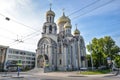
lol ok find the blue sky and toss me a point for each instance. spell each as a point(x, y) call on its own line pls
point(98, 20)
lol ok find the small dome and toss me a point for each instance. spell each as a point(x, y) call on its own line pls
point(50, 12)
point(63, 19)
point(76, 31)
point(67, 25)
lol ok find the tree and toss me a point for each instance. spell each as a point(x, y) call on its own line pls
point(117, 61)
point(88, 60)
point(102, 48)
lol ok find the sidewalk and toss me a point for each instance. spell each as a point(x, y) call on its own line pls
point(70, 74)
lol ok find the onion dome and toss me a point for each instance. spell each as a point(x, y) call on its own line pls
point(67, 25)
point(76, 31)
point(50, 12)
point(63, 19)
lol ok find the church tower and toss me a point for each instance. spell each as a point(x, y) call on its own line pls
point(49, 26)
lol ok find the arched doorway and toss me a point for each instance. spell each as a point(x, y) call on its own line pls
point(42, 61)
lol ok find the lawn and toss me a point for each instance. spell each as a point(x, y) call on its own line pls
point(94, 72)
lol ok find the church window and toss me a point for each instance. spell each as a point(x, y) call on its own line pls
point(45, 29)
point(60, 62)
point(50, 29)
point(50, 19)
point(44, 48)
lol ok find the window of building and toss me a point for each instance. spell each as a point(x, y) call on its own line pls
point(50, 29)
point(45, 29)
point(10, 51)
point(16, 52)
point(50, 19)
point(60, 62)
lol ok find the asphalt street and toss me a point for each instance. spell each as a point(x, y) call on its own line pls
point(56, 76)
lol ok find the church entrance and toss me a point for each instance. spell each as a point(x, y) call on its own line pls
point(42, 61)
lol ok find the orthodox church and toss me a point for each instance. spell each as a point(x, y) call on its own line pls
point(60, 50)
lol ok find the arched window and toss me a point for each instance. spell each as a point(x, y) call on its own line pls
point(44, 48)
point(60, 62)
point(50, 19)
point(50, 29)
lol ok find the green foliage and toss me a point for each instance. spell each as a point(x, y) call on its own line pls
point(89, 60)
point(117, 61)
point(102, 48)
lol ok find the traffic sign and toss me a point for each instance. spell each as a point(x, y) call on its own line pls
point(108, 58)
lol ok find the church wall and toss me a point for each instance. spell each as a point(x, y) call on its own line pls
point(61, 27)
point(74, 56)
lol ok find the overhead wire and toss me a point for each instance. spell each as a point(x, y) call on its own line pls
point(93, 9)
point(83, 8)
point(9, 19)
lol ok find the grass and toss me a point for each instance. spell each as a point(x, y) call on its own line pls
point(94, 72)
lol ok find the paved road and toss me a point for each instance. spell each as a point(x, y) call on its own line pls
point(57, 76)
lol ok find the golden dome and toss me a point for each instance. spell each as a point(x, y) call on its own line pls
point(76, 31)
point(67, 25)
point(50, 12)
point(63, 19)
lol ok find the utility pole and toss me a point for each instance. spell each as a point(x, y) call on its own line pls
point(91, 56)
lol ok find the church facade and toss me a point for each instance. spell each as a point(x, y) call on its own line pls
point(60, 50)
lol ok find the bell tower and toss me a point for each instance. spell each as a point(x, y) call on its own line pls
point(49, 26)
